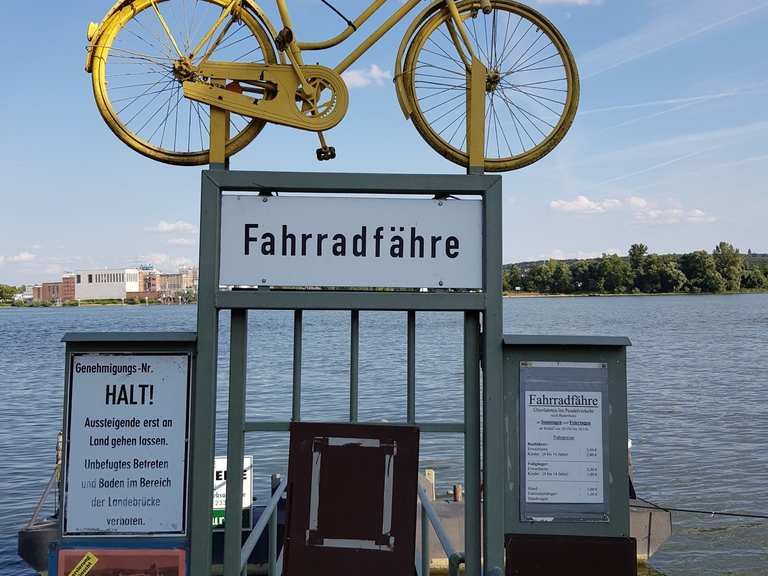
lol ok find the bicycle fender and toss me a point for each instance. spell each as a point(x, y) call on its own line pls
point(405, 105)
point(95, 31)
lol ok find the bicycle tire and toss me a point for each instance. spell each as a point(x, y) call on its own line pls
point(132, 47)
point(554, 99)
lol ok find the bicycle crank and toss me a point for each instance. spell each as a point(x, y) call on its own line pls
point(273, 92)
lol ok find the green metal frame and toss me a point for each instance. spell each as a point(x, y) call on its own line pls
point(488, 342)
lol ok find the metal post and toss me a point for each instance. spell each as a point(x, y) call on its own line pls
point(272, 558)
point(425, 553)
point(233, 515)
point(354, 357)
point(472, 499)
point(218, 138)
point(203, 428)
point(476, 117)
point(493, 388)
point(411, 371)
point(298, 328)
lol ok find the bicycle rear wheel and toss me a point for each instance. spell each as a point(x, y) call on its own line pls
point(138, 73)
point(532, 85)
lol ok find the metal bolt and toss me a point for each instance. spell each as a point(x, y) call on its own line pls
point(265, 199)
point(440, 283)
point(440, 203)
point(263, 280)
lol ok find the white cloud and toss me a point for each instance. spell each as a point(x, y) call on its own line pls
point(642, 210)
point(161, 260)
point(182, 242)
point(560, 254)
point(18, 258)
point(583, 205)
point(360, 78)
point(178, 227)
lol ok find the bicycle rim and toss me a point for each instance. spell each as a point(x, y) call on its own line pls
point(532, 89)
point(139, 94)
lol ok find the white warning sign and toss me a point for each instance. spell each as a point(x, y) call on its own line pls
point(127, 458)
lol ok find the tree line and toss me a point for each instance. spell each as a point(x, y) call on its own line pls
point(724, 270)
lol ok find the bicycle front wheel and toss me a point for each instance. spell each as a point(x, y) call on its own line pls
point(144, 55)
point(531, 89)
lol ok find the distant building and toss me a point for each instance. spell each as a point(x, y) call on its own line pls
point(148, 280)
point(106, 284)
point(37, 293)
point(50, 292)
point(183, 282)
point(68, 287)
point(28, 295)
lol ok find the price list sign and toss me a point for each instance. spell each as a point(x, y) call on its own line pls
point(563, 445)
point(127, 444)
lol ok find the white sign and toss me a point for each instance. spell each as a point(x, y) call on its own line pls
point(127, 460)
point(350, 242)
point(563, 447)
point(220, 482)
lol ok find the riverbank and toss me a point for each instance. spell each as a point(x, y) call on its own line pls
point(521, 294)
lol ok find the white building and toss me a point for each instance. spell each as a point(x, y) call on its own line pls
point(106, 284)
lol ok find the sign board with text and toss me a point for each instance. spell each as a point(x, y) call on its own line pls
point(562, 442)
point(351, 242)
point(220, 491)
point(127, 444)
point(565, 401)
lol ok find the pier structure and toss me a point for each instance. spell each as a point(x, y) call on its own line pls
point(481, 307)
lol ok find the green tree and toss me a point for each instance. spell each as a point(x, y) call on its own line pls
point(616, 273)
point(637, 256)
point(538, 278)
point(670, 277)
point(562, 279)
point(753, 278)
point(7, 292)
point(585, 276)
point(729, 264)
point(513, 278)
point(701, 272)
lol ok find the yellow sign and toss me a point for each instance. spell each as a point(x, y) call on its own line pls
point(84, 566)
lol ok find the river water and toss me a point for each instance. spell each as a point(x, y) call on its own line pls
point(698, 376)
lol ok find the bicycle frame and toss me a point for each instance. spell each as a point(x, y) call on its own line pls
point(390, 23)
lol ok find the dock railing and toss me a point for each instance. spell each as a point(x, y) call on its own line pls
point(268, 518)
point(429, 516)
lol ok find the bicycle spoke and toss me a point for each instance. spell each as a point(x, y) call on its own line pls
point(534, 95)
point(518, 64)
point(462, 74)
point(528, 115)
point(520, 124)
point(443, 103)
point(167, 82)
point(525, 52)
point(457, 119)
point(446, 55)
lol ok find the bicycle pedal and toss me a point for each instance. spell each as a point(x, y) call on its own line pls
point(327, 153)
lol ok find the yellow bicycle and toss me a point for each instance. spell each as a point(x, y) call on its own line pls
point(159, 66)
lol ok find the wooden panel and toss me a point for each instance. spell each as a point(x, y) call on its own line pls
point(544, 555)
point(351, 499)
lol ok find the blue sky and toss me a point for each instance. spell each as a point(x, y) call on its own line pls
point(668, 148)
